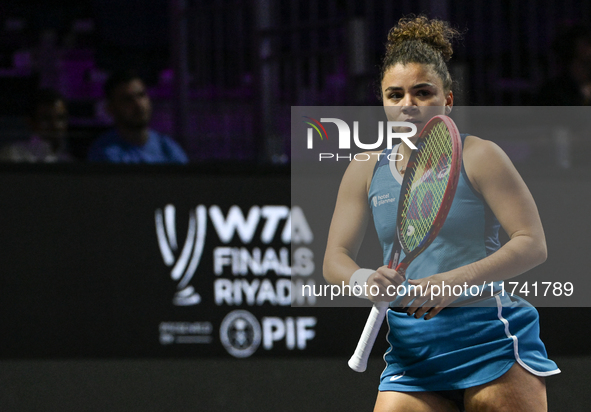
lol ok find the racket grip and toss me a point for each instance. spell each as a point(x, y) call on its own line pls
point(358, 361)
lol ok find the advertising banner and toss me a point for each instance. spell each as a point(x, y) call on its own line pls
point(145, 263)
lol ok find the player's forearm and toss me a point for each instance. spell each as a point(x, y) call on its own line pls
point(517, 256)
point(338, 267)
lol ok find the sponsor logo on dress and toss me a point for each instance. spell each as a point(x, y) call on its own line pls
point(382, 199)
point(396, 377)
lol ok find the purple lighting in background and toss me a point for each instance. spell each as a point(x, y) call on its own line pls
point(245, 64)
point(76, 79)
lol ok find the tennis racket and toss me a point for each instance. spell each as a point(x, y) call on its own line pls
point(426, 195)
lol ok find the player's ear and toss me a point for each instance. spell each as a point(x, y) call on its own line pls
point(449, 102)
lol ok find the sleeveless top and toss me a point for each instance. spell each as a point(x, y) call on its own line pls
point(470, 232)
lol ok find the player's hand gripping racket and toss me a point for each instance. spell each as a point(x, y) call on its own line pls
point(426, 195)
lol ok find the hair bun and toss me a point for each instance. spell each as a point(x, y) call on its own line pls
point(435, 33)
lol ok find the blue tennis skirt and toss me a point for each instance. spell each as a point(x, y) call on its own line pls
point(463, 347)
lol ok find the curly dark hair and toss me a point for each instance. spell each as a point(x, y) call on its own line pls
point(418, 39)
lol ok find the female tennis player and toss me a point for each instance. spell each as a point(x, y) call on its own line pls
point(487, 357)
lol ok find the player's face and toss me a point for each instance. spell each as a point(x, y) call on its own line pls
point(414, 93)
point(130, 105)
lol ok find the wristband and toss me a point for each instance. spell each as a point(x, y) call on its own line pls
point(359, 280)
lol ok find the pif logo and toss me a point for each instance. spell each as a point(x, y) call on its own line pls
point(345, 133)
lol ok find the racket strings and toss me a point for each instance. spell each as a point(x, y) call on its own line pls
point(428, 182)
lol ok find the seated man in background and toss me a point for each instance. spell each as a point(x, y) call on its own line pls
point(132, 141)
point(48, 120)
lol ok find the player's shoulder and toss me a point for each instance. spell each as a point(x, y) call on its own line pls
point(484, 160)
point(477, 149)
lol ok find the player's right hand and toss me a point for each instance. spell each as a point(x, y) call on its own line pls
point(386, 280)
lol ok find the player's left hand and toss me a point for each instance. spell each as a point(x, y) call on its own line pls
point(433, 297)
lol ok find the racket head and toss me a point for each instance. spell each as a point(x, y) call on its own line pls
point(429, 186)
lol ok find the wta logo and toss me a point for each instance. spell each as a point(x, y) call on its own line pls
point(345, 133)
point(183, 262)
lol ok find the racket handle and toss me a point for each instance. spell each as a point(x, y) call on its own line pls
point(358, 361)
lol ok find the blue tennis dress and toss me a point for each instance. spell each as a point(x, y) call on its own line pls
point(461, 347)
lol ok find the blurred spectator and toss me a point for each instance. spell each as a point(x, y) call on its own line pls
point(572, 87)
point(132, 141)
point(48, 120)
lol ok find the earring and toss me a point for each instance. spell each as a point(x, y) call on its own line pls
point(447, 109)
